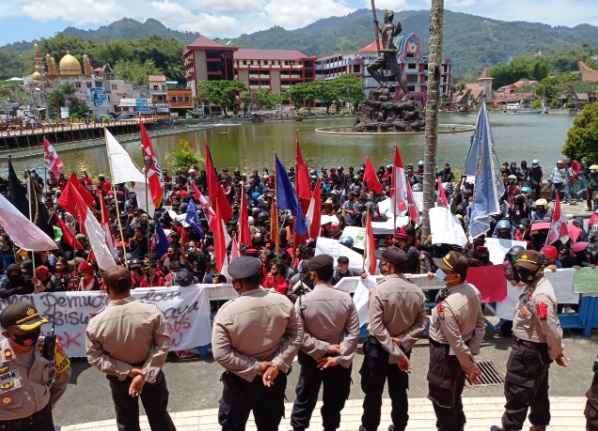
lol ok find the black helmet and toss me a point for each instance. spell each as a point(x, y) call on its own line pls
point(255, 211)
point(512, 253)
point(313, 172)
point(237, 172)
point(262, 216)
point(340, 168)
point(355, 177)
point(351, 168)
point(389, 167)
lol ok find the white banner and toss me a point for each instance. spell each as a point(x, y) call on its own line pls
point(362, 298)
point(335, 249)
point(187, 312)
point(498, 248)
point(446, 228)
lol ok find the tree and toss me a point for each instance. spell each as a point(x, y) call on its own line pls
point(184, 157)
point(299, 93)
point(325, 92)
point(349, 88)
point(582, 138)
point(434, 73)
point(222, 93)
point(265, 99)
point(66, 95)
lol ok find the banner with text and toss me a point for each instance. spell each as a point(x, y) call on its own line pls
point(186, 309)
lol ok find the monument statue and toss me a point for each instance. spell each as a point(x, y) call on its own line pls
point(387, 55)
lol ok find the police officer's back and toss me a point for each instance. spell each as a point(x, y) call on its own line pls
point(33, 376)
point(255, 338)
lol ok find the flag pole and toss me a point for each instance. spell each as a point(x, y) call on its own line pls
point(365, 249)
point(147, 233)
point(275, 212)
point(120, 225)
point(30, 215)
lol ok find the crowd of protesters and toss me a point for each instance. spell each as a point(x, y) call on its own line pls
point(190, 258)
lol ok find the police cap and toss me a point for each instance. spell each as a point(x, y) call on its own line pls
point(452, 261)
point(529, 259)
point(393, 255)
point(22, 315)
point(245, 267)
point(320, 261)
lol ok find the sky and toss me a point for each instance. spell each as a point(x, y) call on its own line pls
point(31, 20)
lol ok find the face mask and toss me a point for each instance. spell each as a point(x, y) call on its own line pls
point(27, 339)
point(1, 244)
point(191, 249)
point(439, 275)
point(527, 276)
point(520, 226)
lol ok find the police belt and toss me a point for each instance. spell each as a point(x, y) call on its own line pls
point(28, 422)
point(530, 344)
point(446, 347)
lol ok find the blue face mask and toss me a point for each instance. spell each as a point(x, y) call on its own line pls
point(520, 226)
point(439, 275)
point(191, 249)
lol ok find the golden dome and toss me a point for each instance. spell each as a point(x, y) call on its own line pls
point(36, 76)
point(69, 65)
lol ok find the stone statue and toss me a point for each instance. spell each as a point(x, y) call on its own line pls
point(388, 53)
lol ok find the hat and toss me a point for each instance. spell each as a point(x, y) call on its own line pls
point(400, 234)
point(529, 259)
point(135, 263)
point(117, 276)
point(184, 277)
point(85, 267)
point(320, 261)
point(393, 255)
point(23, 315)
point(81, 237)
point(452, 261)
point(251, 252)
point(41, 271)
point(245, 267)
point(579, 246)
point(191, 171)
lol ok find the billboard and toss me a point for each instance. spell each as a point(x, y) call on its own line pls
point(98, 97)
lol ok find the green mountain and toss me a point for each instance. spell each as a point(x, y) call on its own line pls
point(471, 41)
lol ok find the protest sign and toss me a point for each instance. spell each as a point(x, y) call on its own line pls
point(506, 310)
point(446, 228)
point(498, 248)
point(362, 298)
point(186, 309)
point(586, 281)
point(335, 249)
point(357, 233)
point(490, 281)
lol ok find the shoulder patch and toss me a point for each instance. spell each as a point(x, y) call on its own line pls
point(542, 311)
point(63, 363)
point(441, 308)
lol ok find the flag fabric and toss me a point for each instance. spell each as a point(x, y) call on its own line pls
point(286, 198)
point(192, 218)
point(39, 212)
point(24, 233)
point(274, 225)
point(370, 264)
point(17, 193)
point(51, 159)
point(67, 234)
point(161, 243)
point(234, 251)
point(399, 184)
point(314, 213)
point(219, 240)
point(413, 213)
point(215, 192)
point(558, 224)
point(152, 168)
point(95, 234)
point(370, 177)
point(67, 199)
point(124, 170)
point(489, 186)
point(302, 181)
point(442, 200)
point(244, 234)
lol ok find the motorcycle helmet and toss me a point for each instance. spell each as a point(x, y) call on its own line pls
point(512, 253)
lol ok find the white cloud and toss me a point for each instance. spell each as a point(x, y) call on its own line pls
point(296, 14)
point(228, 7)
point(79, 11)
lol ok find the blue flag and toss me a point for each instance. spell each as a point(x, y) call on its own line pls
point(161, 243)
point(192, 218)
point(489, 185)
point(286, 198)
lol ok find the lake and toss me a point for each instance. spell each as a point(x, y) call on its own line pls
point(252, 145)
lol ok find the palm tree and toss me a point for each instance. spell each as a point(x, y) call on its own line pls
point(434, 74)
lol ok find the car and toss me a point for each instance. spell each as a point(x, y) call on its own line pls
point(125, 117)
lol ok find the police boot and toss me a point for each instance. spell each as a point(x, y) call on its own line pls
point(537, 428)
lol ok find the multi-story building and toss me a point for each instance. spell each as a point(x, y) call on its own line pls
point(275, 70)
point(335, 65)
point(180, 98)
point(159, 94)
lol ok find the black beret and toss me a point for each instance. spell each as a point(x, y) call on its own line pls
point(245, 267)
point(320, 261)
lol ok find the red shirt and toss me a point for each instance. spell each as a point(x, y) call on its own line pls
point(279, 284)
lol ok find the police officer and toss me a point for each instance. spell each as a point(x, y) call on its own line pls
point(591, 411)
point(397, 319)
point(537, 338)
point(32, 378)
point(331, 329)
point(129, 342)
point(255, 338)
point(456, 331)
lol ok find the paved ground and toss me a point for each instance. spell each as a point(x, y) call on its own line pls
point(195, 386)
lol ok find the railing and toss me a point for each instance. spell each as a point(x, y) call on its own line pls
point(65, 128)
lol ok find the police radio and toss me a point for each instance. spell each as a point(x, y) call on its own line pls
point(48, 350)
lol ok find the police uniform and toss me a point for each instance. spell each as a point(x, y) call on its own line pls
point(537, 342)
point(257, 326)
point(328, 317)
point(396, 310)
point(591, 410)
point(457, 329)
point(130, 333)
point(30, 383)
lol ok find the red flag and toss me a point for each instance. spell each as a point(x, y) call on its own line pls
point(441, 194)
point(215, 192)
point(68, 199)
point(314, 213)
point(558, 224)
point(370, 246)
point(67, 234)
point(302, 181)
point(87, 197)
point(244, 234)
point(413, 213)
point(51, 159)
point(219, 240)
point(371, 178)
point(399, 184)
point(152, 168)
